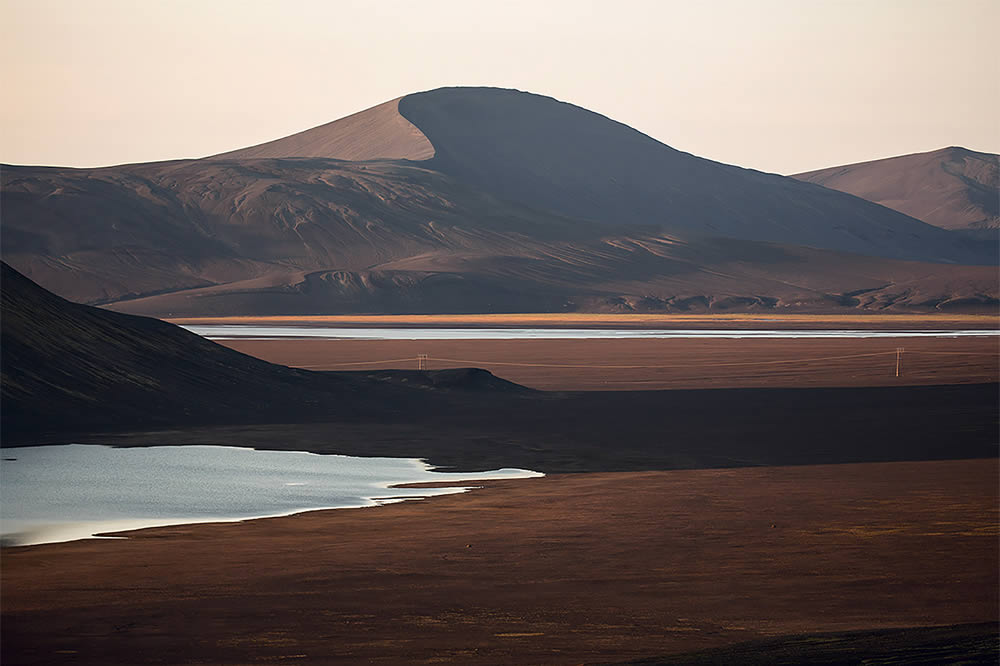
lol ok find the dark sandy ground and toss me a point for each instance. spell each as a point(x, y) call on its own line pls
point(563, 570)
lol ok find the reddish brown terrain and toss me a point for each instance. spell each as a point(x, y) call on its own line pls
point(951, 188)
point(602, 365)
point(567, 569)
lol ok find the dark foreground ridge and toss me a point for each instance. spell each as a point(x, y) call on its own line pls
point(77, 373)
point(958, 644)
point(69, 368)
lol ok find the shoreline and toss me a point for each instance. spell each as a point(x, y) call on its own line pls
point(347, 482)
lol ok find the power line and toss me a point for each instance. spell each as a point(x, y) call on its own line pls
point(388, 360)
point(673, 365)
point(422, 359)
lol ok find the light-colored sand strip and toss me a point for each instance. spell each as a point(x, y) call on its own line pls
point(376, 133)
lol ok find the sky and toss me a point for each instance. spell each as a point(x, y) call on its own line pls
point(778, 85)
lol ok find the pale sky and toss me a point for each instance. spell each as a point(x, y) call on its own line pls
point(776, 85)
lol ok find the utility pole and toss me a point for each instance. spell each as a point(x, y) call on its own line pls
point(899, 356)
point(421, 361)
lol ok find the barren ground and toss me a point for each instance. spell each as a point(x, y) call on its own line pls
point(562, 570)
point(575, 365)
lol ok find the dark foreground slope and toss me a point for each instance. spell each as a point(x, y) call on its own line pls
point(958, 644)
point(69, 367)
point(648, 430)
point(951, 188)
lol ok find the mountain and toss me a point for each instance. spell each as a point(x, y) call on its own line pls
point(70, 367)
point(560, 157)
point(472, 200)
point(951, 188)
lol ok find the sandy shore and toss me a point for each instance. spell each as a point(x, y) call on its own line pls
point(562, 570)
point(570, 365)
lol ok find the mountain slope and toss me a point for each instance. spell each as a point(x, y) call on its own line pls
point(376, 133)
point(306, 236)
point(106, 235)
point(951, 188)
point(556, 156)
point(68, 366)
point(613, 274)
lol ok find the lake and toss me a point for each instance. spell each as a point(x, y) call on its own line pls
point(254, 332)
point(74, 491)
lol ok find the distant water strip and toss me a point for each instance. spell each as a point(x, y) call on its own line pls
point(68, 492)
point(248, 332)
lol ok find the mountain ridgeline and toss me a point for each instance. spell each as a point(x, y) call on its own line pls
point(474, 200)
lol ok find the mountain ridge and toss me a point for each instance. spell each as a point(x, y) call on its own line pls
point(521, 203)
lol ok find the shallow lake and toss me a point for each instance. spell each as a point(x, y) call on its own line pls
point(244, 332)
point(67, 492)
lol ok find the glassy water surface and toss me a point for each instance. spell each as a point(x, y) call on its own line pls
point(244, 332)
point(66, 492)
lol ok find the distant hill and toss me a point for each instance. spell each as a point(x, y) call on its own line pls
point(951, 188)
point(472, 200)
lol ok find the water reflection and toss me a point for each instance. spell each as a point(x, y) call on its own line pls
point(241, 332)
point(60, 493)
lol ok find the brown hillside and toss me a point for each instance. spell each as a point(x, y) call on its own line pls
point(308, 236)
point(951, 188)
